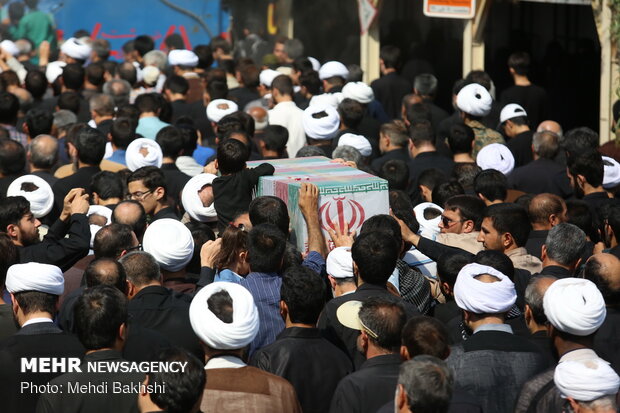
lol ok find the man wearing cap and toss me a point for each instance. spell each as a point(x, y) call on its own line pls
point(224, 317)
point(313, 365)
point(378, 323)
point(286, 113)
point(34, 290)
point(514, 122)
point(339, 266)
point(575, 309)
point(184, 63)
point(543, 174)
point(391, 87)
point(475, 102)
point(493, 363)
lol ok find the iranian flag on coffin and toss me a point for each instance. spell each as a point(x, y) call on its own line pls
point(347, 195)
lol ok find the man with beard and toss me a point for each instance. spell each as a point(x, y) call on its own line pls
point(67, 240)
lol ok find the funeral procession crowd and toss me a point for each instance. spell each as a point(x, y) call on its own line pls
point(229, 230)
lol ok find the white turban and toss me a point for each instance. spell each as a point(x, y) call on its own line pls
point(76, 49)
point(511, 111)
point(33, 276)
point(53, 70)
point(315, 63)
point(102, 211)
point(214, 332)
point(150, 74)
point(611, 177)
point(358, 91)
point(586, 380)
point(41, 199)
point(321, 121)
point(481, 297)
point(9, 47)
point(266, 76)
point(429, 228)
point(357, 141)
point(218, 108)
point(182, 57)
point(339, 263)
point(143, 152)
point(574, 306)
point(474, 99)
point(333, 68)
point(170, 243)
point(191, 199)
point(325, 99)
point(496, 156)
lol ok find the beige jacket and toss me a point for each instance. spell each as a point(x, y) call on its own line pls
point(464, 241)
point(521, 259)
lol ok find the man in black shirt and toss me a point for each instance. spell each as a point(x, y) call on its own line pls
point(391, 87)
point(147, 185)
point(171, 142)
point(393, 141)
point(515, 124)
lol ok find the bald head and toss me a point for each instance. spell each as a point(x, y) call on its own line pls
point(43, 152)
point(131, 213)
point(551, 126)
point(604, 271)
point(260, 116)
point(105, 271)
point(545, 144)
point(546, 211)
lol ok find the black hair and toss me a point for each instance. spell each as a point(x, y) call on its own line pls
point(460, 138)
point(111, 240)
point(128, 111)
point(217, 89)
point(311, 82)
point(9, 106)
point(595, 272)
point(12, 157)
point(106, 271)
point(391, 56)
point(446, 190)
point(449, 265)
point(269, 210)
point(205, 57)
point(465, 173)
point(151, 176)
point(386, 223)
point(519, 62)
point(12, 210)
point(189, 134)
point(9, 255)
point(39, 122)
point(579, 140)
point(396, 172)
point(469, 207)
point(170, 141)
point(90, 144)
point(36, 301)
point(177, 84)
point(275, 138)
point(107, 185)
point(303, 291)
point(578, 213)
point(417, 113)
point(99, 313)
point(221, 305)
point(182, 389)
point(36, 83)
point(375, 254)
point(266, 244)
point(422, 132)
point(497, 260)
point(201, 233)
point(147, 102)
point(123, 132)
point(73, 76)
point(351, 113)
point(95, 74)
point(127, 72)
point(402, 208)
point(232, 156)
point(426, 335)
point(143, 44)
point(492, 184)
point(141, 268)
point(510, 218)
point(432, 177)
point(386, 318)
point(284, 85)
point(590, 165)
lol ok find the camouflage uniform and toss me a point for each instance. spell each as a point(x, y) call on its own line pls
point(484, 136)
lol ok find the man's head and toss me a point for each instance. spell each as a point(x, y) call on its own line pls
point(422, 136)
point(107, 188)
point(392, 135)
point(100, 317)
point(90, 146)
point(131, 213)
point(302, 296)
point(462, 214)
point(585, 172)
point(107, 271)
point(147, 185)
point(114, 241)
point(270, 210)
point(429, 180)
point(18, 222)
point(546, 211)
point(534, 292)
point(176, 85)
point(580, 140)
point(12, 157)
point(396, 172)
point(604, 271)
point(282, 88)
point(142, 45)
point(461, 139)
point(425, 85)
point(545, 144)
point(491, 186)
point(448, 268)
point(43, 152)
point(142, 270)
point(351, 113)
point(564, 246)
point(551, 126)
point(424, 385)
point(424, 335)
point(266, 244)
point(119, 89)
point(519, 63)
point(73, 76)
point(513, 120)
point(232, 156)
point(38, 122)
point(504, 227)
point(389, 57)
point(274, 139)
point(9, 106)
point(170, 243)
point(123, 132)
point(374, 256)
point(170, 141)
point(101, 106)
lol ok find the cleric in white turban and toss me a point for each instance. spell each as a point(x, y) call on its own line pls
point(611, 172)
point(358, 91)
point(54, 70)
point(321, 122)
point(496, 156)
point(212, 330)
point(9, 47)
point(586, 381)
point(170, 243)
point(218, 108)
point(333, 69)
point(33, 276)
point(429, 228)
point(98, 217)
point(474, 100)
point(496, 295)
point(267, 76)
point(339, 263)
point(325, 99)
point(182, 57)
point(143, 152)
point(197, 198)
point(574, 306)
point(76, 49)
point(357, 141)
point(36, 190)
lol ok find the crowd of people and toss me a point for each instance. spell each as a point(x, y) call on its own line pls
point(130, 230)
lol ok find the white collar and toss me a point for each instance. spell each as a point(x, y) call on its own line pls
point(224, 362)
point(37, 320)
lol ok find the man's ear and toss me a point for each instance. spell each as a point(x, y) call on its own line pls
point(332, 281)
point(12, 230)
point(283, 309)
point(404, 353)
point(401, 401)
point(543, 252)
point(507, 239)
point(160, 193)
point(468, 226)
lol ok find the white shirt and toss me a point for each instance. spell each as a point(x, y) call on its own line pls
point(189, 166)
point(287, 114)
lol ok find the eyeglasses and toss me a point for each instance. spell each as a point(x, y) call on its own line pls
point(447, 221)
point(136, 248)
point(139, 195)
